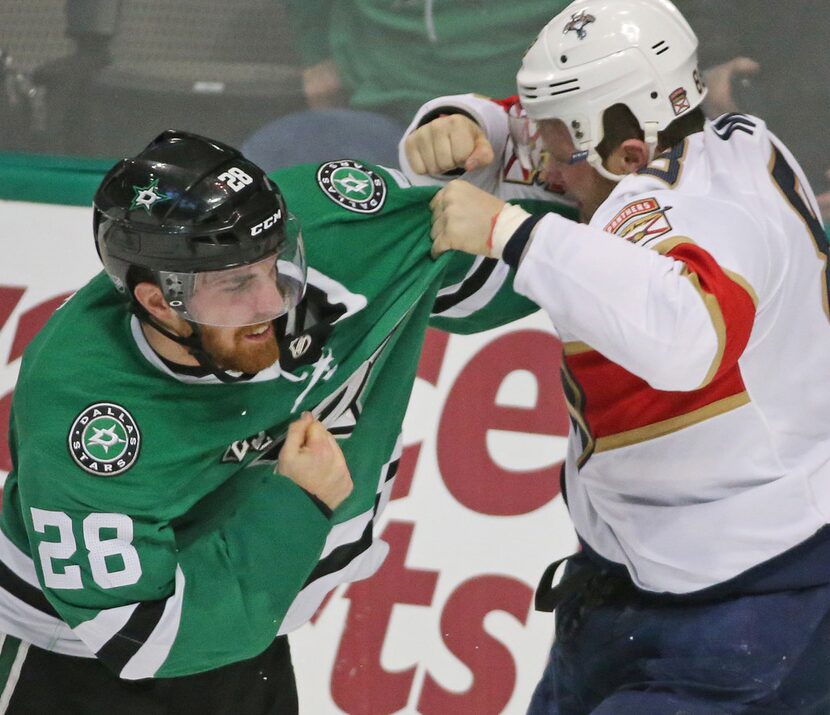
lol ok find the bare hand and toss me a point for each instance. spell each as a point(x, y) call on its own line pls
point(719, 80)
point(448, 143)
point(312, 459)
point(462, 219)
point(322, 86)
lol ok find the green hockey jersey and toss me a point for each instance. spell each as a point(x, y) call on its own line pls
point(144, 523)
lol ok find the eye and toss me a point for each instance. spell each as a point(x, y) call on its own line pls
point(238, 286)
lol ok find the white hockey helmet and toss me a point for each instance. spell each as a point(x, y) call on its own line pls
point(597, 53)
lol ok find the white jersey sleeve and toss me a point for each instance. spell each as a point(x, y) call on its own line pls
point(663, 283)
point(634, 306)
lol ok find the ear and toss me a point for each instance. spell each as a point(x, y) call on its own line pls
point(149, 295)
point(628, 157)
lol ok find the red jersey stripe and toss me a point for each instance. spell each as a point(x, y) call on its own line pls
point(620, 408)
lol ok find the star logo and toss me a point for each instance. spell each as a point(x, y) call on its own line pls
point(352, 185)
point(147, 196)
point(104, 439)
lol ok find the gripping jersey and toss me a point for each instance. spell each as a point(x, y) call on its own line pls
point(143, 522)
point(696, 341)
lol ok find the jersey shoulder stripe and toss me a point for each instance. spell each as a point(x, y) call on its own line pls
point(726, 125)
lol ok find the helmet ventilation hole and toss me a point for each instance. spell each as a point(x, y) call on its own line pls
point(660, 47)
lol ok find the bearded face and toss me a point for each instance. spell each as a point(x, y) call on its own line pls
point(249, 349)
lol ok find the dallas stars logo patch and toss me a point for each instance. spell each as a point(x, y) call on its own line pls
point(352, 186)
point(147, 196)
point(104, 439)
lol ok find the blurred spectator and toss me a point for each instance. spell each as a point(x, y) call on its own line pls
point(769, 58)
point(369, 64)
point(91, 25)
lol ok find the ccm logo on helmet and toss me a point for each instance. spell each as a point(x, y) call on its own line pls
point(266, 224)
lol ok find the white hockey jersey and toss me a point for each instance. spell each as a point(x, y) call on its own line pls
point(696, 352)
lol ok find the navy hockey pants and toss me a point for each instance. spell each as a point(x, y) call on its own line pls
point(623, 653)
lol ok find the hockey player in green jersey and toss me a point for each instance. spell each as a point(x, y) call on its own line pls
point(160, 533)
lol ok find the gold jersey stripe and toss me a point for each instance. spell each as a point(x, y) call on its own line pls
point(709, 300)
point(576, 348)
point(673, 424)
point(576, 412)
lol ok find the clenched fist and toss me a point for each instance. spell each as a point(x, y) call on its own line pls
point(312, 459)
point(448, 143)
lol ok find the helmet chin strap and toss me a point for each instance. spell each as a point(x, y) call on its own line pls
point(595, 160)
point(650, 139)
point(193, 344)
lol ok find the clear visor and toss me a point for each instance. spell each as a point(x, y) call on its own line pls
point(245, 295)
point(527, 143)
point(529, 147)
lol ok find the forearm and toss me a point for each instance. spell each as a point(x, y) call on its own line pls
point(477, 293)
point(242, 577)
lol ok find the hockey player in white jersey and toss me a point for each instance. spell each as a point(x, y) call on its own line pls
point(692, 303)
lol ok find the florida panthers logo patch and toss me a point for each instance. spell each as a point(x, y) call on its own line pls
point(578, 23)
point(104, 439)
point(352, 186)
point(639, 220)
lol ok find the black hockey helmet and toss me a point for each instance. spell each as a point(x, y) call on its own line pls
point(188, 205)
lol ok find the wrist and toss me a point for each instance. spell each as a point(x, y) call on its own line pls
point(518, 243)
point(326, 510)
point(505, 223)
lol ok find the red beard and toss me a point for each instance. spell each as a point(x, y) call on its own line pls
point(245, 354)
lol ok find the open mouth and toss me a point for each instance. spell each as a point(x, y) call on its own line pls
point(260, 333)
